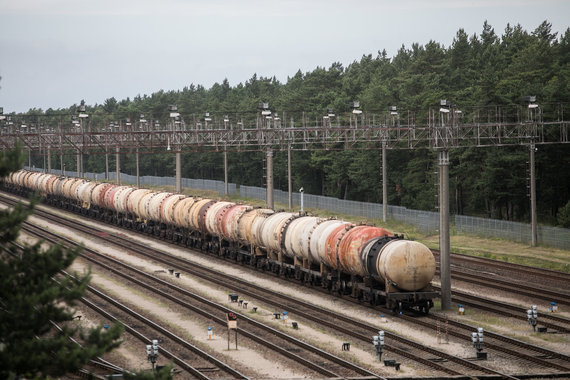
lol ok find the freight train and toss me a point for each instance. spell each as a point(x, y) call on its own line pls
point(365, 262)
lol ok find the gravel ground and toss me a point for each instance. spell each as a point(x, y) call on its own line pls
point(131, 354)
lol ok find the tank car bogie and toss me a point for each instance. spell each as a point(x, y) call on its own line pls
point(366, 262)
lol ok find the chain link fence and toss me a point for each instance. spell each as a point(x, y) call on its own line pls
point(425, 221)
point(149, 180)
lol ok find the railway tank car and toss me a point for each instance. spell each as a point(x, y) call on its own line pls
point(365, 262)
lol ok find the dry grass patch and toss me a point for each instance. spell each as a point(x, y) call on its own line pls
point(508, 251)
point(496, 249)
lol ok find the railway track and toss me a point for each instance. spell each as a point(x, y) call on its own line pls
point(512, 352)
point(557, 323)
point(397, 344)
point(301, 353)
point(518, 349)
point(532, 291)
point(168, 339)
point(560, 278)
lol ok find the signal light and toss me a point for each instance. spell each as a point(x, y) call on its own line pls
point(232, 317)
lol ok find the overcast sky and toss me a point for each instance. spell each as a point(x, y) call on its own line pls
point(53, 53)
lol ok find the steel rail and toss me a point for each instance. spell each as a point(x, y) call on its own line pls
point(221, 321)
point(211, 276)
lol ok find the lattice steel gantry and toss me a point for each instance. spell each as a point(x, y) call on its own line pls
point(441, 129)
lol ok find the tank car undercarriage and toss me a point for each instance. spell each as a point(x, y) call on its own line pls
point(365, 290)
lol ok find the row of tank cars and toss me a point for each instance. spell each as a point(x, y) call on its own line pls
point(366, 262)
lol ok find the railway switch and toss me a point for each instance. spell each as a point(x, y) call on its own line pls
point(210, 333)
point(460, 309)
point(532, 316)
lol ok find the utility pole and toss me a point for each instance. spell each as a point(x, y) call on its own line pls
point(533, 116)
point(106, 165)
point(533, 221)
point(289, 182)
point(178, 172)
point(49, 159)
point(269, 194)
point(384, 184)
point(175, 119)
point(118, 164)
point(226, 189)
point(444, 245)
point(137, 167)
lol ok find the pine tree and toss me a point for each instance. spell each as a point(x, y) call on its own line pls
point(30, 301)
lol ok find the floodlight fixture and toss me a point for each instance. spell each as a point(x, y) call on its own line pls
point(531, 102)
point(530, 99)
